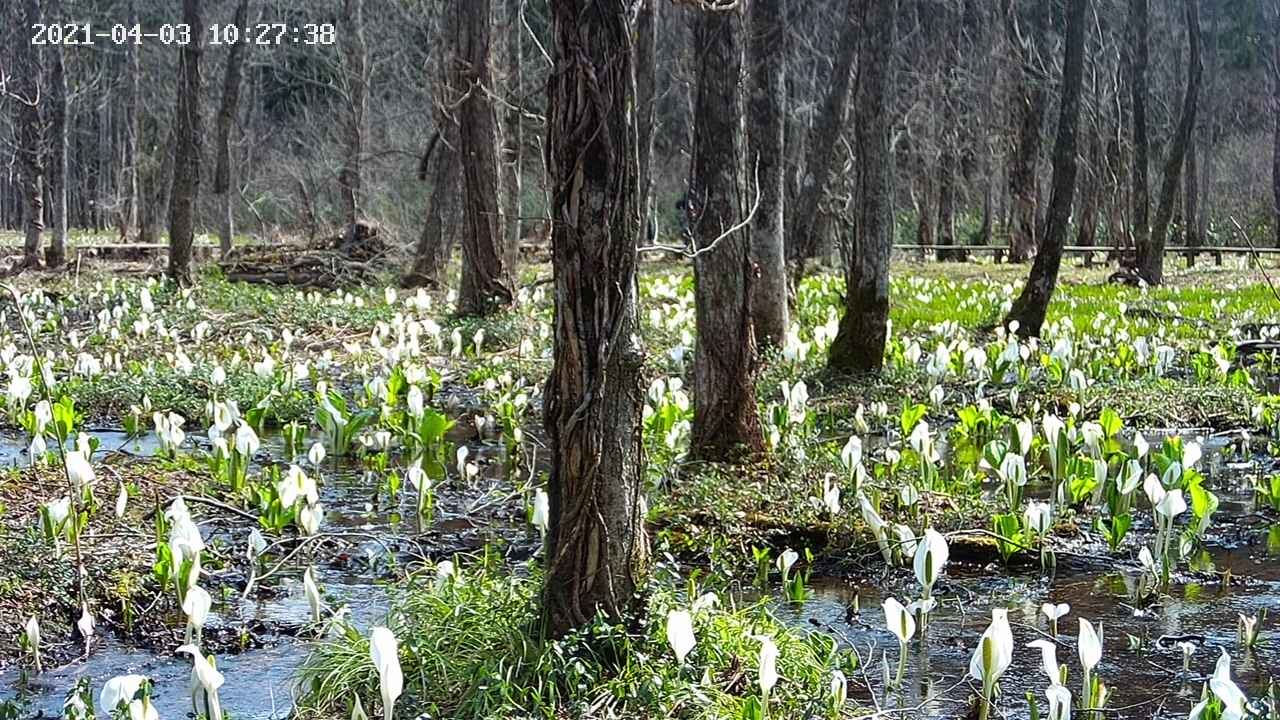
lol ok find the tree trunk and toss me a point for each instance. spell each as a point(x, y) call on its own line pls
point(725, 420)
point(30, 134)
point(435, 244)
point(646, 70)
point(1191, 200)
point(1023, 176)
point(1138, 37)
point(1033, 302)
point(803, 241)
point(596, 549)
point(1275, 111)
point(765, 164)
point(864, 328)
point(513, 137)
point(56, 253)
point(486, 284)
point(131, 217)
point(187, 139)
point(947, 250)
point(355, 58)
point(227, 109)
point(1151, 255)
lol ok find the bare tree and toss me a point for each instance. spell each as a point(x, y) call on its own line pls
point(486, 281)
point(355, 61)
point(26, 98)
point(1032, 303)
point(860, 341)
point(513, 135)
point(1151, 253)
point(802, 234)
point(222, 176)
point(1028, 117)
point(596, 548)
point(725, 419)
point(765, 162)
point(187, 139)
point(1138, 59)
point(56, 253)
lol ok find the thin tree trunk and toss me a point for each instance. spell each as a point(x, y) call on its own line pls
point(765, 164)
point(1151, 255)
point(1023, 175)
point(186, 143)
point(802, 236)
point(947, 250)
point(1032, 304)
point(227, 109)
point(596, 548)
point(646, 70)
point(355, 54)
point(130, 219)
point(864, 328)
point(725, 420)
point(486, 281)
point(1191, 200)
point(56, 253)
point(1138, 39)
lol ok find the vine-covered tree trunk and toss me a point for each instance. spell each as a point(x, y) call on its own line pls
point(1029, 117)
point(1032, 304)
point(222, 181)
point(486, 284)
point(1138, 60)
point(725, 420)
point(596, 549)
point(56, 253)
point(765, 165)
point(187, 139)
point(802, 242)
point(864, 328)
point(1151, 254)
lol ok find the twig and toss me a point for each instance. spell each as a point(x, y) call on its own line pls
point(1256, 259)
point(712, 245)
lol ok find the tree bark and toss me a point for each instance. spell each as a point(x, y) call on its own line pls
point(435, 244)
point(30, 134)
point(187, 139)
point(646, 69)
point(1023, 176)
point(765, 164)
point(1151, 254)
point(486, 283)
point(947, 250)
point(596, 548)
point(513, 137)
point(726, 423)
point(1032, 304)
point(355, 55)
point(1138, 40)
point(864, 328)
point(227, 109)
point(802, 236)
point(56, 253)
point(1191, 199)
point(1275, 111)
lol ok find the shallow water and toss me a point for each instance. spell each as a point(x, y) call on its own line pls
point(260, 679)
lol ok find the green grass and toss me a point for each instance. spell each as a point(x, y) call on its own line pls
point(467, 651)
